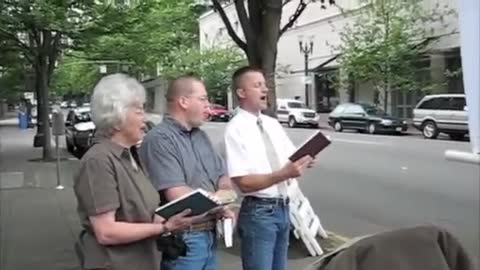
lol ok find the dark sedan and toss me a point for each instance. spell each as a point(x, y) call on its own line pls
point(365, 118)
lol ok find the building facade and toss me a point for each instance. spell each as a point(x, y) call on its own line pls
point(323, 28)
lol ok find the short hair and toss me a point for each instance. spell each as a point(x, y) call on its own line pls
point(112, 96)
point(239, 73)
point(181, 86)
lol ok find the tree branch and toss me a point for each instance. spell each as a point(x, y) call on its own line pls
point(300, 8)
point(27, 51)
point(228, 25)
point(244, 20)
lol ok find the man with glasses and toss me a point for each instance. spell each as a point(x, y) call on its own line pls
point(180, 158)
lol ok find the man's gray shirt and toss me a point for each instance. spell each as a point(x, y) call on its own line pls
point(174, 156)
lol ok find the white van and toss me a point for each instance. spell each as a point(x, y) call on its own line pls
point(445, 113)
point(295, 113)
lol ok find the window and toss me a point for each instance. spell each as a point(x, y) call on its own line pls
point(83, 117)
point(457, 104)
point(296, 105)
point(435, 103)
point(339, 109)
point(371, 110)
point(354, 109)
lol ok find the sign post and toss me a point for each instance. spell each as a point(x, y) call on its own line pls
point(58, 129)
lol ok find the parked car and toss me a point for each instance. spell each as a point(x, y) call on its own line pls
point(296, 113)
point(79, 130)
point(218, 113)
point(445, 113)
point(364, 118)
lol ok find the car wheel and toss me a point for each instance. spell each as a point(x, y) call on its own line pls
point(456, 136)
point(430, 130)
point(372, 128)
point(292, 122)
point(70, 146)
point(338, 126)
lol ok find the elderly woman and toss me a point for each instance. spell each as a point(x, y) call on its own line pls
point(116, 201)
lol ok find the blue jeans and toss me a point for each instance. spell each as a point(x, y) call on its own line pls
point(264, 229)
point(201, 253)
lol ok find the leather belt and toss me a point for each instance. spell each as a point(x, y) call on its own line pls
point(274, 201)
point(204, 226)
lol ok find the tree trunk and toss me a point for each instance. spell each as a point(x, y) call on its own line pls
point(43, 70)
point(266, 48)
point(43, 107)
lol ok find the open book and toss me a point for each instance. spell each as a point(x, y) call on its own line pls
point(311, 147)
point(199, 201)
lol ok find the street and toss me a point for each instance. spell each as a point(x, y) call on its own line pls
point(368, 183)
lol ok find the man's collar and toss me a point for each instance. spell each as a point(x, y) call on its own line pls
point(249, 116)
point(174, 122)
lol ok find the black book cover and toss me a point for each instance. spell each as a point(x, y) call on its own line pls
point(198, 201)
point(311, 147)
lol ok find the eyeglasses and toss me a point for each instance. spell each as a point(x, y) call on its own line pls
point(203, 99)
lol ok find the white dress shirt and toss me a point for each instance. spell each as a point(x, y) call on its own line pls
point(246, 153)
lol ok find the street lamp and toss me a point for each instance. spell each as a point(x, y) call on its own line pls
point(306, 47)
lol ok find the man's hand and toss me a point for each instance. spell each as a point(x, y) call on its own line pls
point(312, 164)
point(227, 213)
point(224, 195)
point(297, 168)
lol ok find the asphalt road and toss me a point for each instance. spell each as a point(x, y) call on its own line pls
point(369, 183)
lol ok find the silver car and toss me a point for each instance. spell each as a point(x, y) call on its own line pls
point(446, 113)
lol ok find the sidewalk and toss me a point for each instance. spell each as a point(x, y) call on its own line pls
point(39, 224)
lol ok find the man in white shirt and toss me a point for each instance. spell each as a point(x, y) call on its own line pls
point(257, 151)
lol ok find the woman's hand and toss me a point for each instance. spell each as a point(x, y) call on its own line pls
point(179, 222)
point(158, 219)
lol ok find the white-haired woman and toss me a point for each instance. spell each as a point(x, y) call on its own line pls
point(116, 201)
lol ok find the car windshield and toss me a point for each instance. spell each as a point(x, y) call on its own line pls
point(84, 117)
point(370, 110)
point(297, 105)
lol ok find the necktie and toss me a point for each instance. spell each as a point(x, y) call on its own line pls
point(272, 156)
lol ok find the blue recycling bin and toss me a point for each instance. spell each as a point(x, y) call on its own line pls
point(22, 120)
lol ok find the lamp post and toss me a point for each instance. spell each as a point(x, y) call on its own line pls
point(306, 47)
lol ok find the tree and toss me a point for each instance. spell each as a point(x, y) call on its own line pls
point(12, 75)
point(41, 30)
point(74, 77)
point(160, 27)
point(384, 44)
point(262, 30)
point(154, 31)
point(214, 66)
